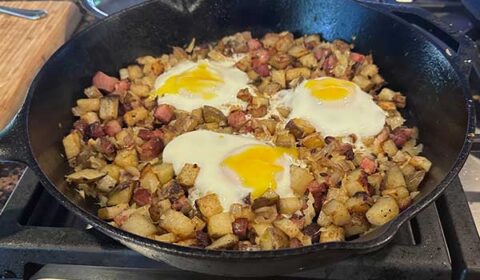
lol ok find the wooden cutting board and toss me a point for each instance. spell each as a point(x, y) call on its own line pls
point(25, 45)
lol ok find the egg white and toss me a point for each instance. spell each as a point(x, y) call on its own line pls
point(356, 114)
point(226, 93)
point(208, 149)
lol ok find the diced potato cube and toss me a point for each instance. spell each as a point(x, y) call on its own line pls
point(167, 238)
point(241, 211)
point(358, 225)
point(150, 182)
point(273, 238)
point(188, 175)
point(108, 108)
point(294, 73)
point(386, 94)
point(283, 111)
point(219, 225)
point(387, 105)
point(298, 51)
point(338, 212)
point(164, 172)
point(285, 139)
point(123, 73)
point(357, 204)
point(309, 213)
point(364, 83)
point(89, 104)
point(390, 148)
point(187, 242)
point(299, 179)
point(209, 205)
point(90, 117)
point(112, 170)
point(108, 213)
point(126, 158)
point(383, 211)
point(289, 205)
point(394, 178)
point(213, 115)
point(313, 141)
point(352, 182)
point(332, 233)
point(139, 225)
point(323, 219)
point(133, 116)
point(92, 92)
point(300, 128)
point(421, 162)
point(339, 194)
point(140, 90)
point(268, 198)
point(106, 184)
point(260, 228)
point(308, 60)
point(369, 70)
point(225, 242)
point(177, 223)
point(199, 223)
point(134, 72)
point(120, 196)
point(287, 226)
point(278, 76)
point(72, 144)
point(397, 193)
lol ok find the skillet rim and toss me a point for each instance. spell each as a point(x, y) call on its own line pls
point(385, 234)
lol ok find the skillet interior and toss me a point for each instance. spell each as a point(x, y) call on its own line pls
point(408, 61)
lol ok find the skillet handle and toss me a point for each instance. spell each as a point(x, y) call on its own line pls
point(460, 49)
point(14, 144)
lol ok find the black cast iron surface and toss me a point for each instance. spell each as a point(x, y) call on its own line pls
point(40, 235)
point(432, 73)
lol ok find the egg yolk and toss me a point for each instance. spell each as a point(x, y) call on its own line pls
point(257, 166)
point(330, 89)
point(199, 81)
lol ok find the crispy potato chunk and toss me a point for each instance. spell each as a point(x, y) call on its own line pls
point(126, 158)
point(225, 242)
point(177, 223)
point(166, 237)
point(88, 104)
point(85, 176)
point(332, 233)
point(338, 212)
point(298, 72)
point(199, 223)
point(421, 162)
point(394, 178)
point(285, 140)
point(300, 128)
point(273, 238)
point(120, 196)
point(108, 108)
point(287, 226)
point(188, 175)
point(209, 205)
point(134, 116)
point(139, 225)
point(164, 172)
point(299, 179)
point(289, 205)
point(72, 144)
point(219, 225)
point(383, 211)
point(313, 141)
point(213, 115)
point(108, 213)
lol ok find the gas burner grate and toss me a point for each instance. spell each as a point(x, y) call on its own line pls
point(45, 239)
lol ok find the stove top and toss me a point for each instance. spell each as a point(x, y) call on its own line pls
point(40, 239)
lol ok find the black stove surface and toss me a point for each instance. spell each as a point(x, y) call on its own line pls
point(39, 238)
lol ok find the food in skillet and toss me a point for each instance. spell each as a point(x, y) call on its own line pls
point(246, 144)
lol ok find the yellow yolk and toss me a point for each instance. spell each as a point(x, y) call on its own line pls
point(330, 89)
point(198, 81)
point(257, 166)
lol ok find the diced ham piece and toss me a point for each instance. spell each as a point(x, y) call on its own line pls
point(122, 86)
point(142, 196)
point(321, 53)
point(262, 56)
point(105, 82)
point(381, 137)
point(182, 204)
point(106, 147)
point(312, 230)
point(357, 57)
point(319, 192)
point(95, 130)
point(112, 127)
point(121, 218)
point(146, 134)
point(151, 149)
point(239, 227)
point(237, 119)
point(260, 69)
point(254, 44)
point(401, 135)
point(368, 165)
point(81, 126)
point(202, 238)
point(164, 113)
point(330, 63)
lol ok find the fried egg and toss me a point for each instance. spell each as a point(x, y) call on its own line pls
point(334, 107)
point(232, 166)
point(190, 85)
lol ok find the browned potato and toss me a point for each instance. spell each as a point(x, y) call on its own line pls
point(164, 172)
point(352, 182)
point(188, 175)
point(287, 226)
point(150, 182)
point(88, 104)
point(273, 238)
point(338, 212)
point(389, 147)
point(209, 205)
point(269, 198)
point(72, 144)
point(108, 213)
point(289, 205)
point(106, 184)
point(166, 237)
point(134, 116)
point(285, 139)
point(358, 225)
point(295, 73)
point(140, 90)
point(139, 225)
point(308, 60)
point(300, 128)
point(177, 223)
point(241, 211)
point(108, 108)
point(298, 51)
point(90, 117)
point(225, 242)
point(85, 176)
point(383, 211)
point(394, 178)
point(332, 233)
point(134, 72)
point(219, 225)
point(199, 223)
point(92, 92)
point(126, 158)
point(299, 179)
point(278, 76)
point(213, 115)
point(112, 170)
point(421, 162)
point(313, 141)
point(120, 196)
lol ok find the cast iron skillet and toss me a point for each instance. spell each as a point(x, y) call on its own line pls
point(433, 74)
